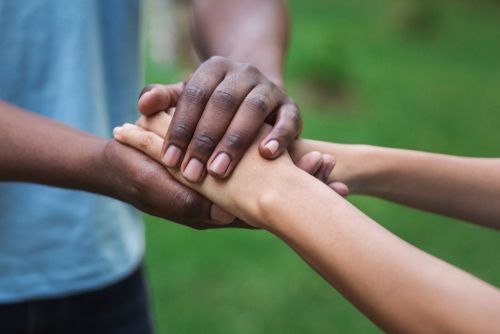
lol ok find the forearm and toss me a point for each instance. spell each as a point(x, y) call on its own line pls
point(378, 272)
point(36, 149)
point(464, 188)
point(249, 31)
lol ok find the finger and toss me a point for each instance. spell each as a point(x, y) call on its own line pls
point(310, 162)
point(220, 215)
point(258, 104)
point(188, 112)
point(286, 129)
point(212, 125)
point(150, 144)
point(156, 97)
point(323, 173)
point(145, 141)
point(157, 123)
point(340, 188)
point(193, 209)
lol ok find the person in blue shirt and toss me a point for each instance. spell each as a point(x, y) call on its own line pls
point(71, 244)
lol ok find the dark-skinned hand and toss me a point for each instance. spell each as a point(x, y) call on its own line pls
point(219, 111)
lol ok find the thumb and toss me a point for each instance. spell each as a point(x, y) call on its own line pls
point(158, 97)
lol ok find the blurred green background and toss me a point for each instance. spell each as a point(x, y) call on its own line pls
point(413, 74)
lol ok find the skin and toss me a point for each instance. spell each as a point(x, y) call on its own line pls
point(223, 104)
point(378, 272)
point(448, 185)
point(93, 164)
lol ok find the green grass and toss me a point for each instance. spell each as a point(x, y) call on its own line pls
point(393, 84)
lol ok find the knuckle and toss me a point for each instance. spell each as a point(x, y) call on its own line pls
point(216, 60)
point(146, 141)
point(140, 185)
point(270, 86)
point(194, 94)
point(292, 113)
point(181, 132)
point(147, 172)
point(203, 143)
point(234, 141)
point(258, 104)
point(188, 203)
point(248, 69)
point(141, 122)
point(224, 100)
point(281, 132)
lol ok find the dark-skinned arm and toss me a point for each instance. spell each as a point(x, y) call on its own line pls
point(221, 108)
point(39, 150)
point(264, 25)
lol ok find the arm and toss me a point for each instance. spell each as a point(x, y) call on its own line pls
point(460, 187)
point(223, 105)
point(399, 287)
point(36, 149)
point(219, 27)
point(379, 273)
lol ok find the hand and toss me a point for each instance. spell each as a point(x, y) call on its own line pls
point(313, 162)
point(220, 111)
point(139, 180)
point(321, 167)
point(150, 142)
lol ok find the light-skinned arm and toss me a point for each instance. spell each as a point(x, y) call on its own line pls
point(399, 287)
point(460, 187)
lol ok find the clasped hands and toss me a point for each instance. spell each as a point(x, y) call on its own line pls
point(219, 121)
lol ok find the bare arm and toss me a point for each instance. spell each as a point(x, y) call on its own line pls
point(248, 31)
point(399, 287)
point(36, 149)
point(39, 150)
point(460, 187)
point(237, 88)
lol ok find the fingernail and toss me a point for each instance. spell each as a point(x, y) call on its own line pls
point(272, 146)
point(116, 131)
point(127, 125)
point(148, 93)
point(193, 170)
point(172, 156)
point(219, 214)
point(220, 164)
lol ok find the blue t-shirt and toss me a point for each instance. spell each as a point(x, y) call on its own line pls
point(77, 62)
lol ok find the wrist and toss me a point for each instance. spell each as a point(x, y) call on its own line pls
point(271, 65)
point(371, 167)
point(357, 166)
point(95, 176)
point(253, 187)
point(106, 167)
point(296, 203)
point(274, 197)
